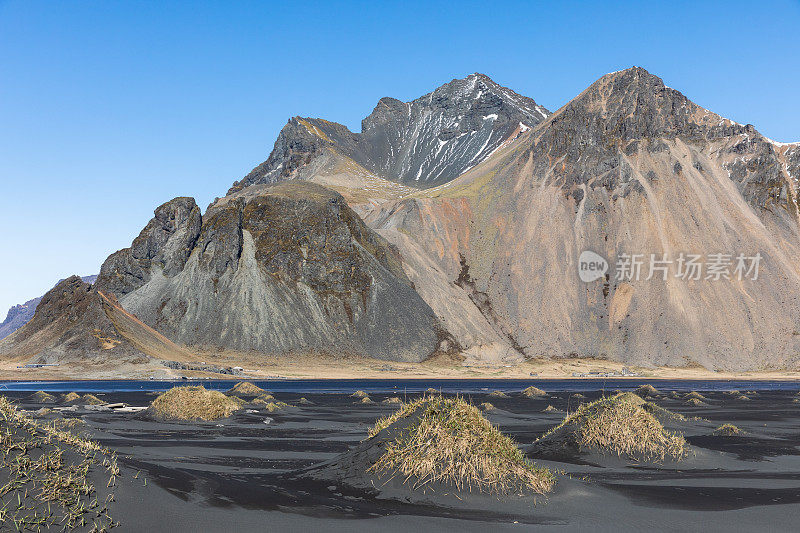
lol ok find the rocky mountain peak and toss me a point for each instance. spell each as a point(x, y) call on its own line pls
point(425, 142)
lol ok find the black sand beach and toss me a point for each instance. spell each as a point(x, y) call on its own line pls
point(246, 473)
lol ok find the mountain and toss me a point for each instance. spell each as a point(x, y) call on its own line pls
point(422, 143)
point(630, 166)
point(278, 269)
point(75, 322)
point(456, 223)
point(20, 314)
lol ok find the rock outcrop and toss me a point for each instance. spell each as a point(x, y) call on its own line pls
point(280, 269)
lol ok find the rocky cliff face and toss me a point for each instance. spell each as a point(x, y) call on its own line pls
point(423, 143)
point(630, 166)
point(288, 268)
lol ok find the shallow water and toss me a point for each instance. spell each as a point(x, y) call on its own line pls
point(399, 386)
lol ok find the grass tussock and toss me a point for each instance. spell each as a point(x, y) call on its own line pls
point(695, 395)
point(393, 400)
point(431, 390)
point(193, 403)
point(497, 394)
point(621, 425)
point(486, 406)
point(549, 409)
point(662, 414)
point(727, 430)
point(42, 397)
point(247, 389)
point(271, 407)
point(305, 401)
point(695, 402)
point(532, 392)
point(264, 399)
point(70, 397)
point(91, 399)
point(646, 390)
point(359, 394)
point(449, 441)
point(743, 397)
point(365, 400)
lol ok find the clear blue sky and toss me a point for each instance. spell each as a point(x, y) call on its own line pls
point(110, 108)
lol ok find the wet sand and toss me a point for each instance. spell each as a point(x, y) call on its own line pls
point(242, 474)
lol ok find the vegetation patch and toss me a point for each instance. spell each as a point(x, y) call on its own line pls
point(365, 399)
point(662, 414)
point(696, 396)
point(305, 401)
point(271, 407)
point(695, 402)
point(246, 389)
point(264, 399)
point(498, 394)
point(393, 399)
point(47, 475)
point(532, 392)
point(646, 390)
point(42, 397)
point(550, 409)
point(70, 397)
point(192, 403)
point(486, 406)
point(447, 440)
point(359, 394)
point(620, 425)
point(91, 399)
point(727, 430)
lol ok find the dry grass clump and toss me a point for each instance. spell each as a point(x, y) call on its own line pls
point(550, 409)
point(646, 390)
point(743, 397)
point(393, 399)
point(662, 414)
point(271, 407)
point(431, 390)
point(69, 397)
point(305, 401)
point(91, 399)
point(531, 392)
point(365, 399)
point(42, 397)
point(733, 392)
point(695, 395)
point(497, 394)
point(621, 425)
point(193, 403)
point(359, 394)
point(727, 430)
point(486, 406)
point(578, 395)
point(264, 399)
point(245, 388)
point(447, 440)
point(695, 402)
